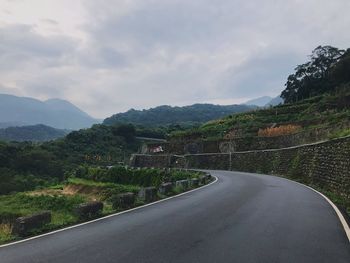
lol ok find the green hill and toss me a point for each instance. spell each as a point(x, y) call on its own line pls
point(327, 112)
point(36, 133)
point(26, 165)
point(167, 115)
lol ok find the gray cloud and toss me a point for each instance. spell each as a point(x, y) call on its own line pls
point(20, 45)
point(145, 53)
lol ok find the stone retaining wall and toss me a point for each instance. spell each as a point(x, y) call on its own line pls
point(326, 164)
point(242, 143)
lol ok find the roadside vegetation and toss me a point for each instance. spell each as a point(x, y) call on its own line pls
point(83, 184)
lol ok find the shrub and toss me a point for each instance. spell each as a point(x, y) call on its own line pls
point(278, 131)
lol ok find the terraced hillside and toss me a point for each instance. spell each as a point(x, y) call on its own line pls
point(328, 115)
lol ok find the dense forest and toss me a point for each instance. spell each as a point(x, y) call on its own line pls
point(35, 133)
point(184, 116)
point(26, 165)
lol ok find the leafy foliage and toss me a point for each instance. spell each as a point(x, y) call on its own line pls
point(24, 166)
point(327, 69)
point(23, 204)
point(125, 176)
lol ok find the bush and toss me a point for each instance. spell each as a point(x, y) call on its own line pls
point(278, 131)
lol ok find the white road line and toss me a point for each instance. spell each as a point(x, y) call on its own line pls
point(105, 217)
point(339, 214)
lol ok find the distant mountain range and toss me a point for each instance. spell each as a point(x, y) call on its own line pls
point(36, 133)
point(57, 113)
point(167, 115)
point(265, 101)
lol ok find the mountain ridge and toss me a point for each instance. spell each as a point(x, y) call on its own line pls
point(35, 133)
point(57, 113)
point(169, 115)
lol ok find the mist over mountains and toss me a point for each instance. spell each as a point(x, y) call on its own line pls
point(23, 118)
point(265, 101)
point(57, 113)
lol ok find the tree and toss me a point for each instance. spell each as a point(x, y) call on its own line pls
point(340, 73)
point(313, 77)
point(125, 130)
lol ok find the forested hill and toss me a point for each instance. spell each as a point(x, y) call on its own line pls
point(166, 115)
point(35, 133)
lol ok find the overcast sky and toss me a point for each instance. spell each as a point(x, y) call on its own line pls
point(107, 56)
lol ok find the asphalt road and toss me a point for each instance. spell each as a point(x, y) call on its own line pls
point(241, 218)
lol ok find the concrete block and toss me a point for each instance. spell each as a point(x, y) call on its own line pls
point(182, 183)
point(194, 182)
point(124, 200)
point(148, 194)
point(89, 210)
point(165, 188)
point(23, 225)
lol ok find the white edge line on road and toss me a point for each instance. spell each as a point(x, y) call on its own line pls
point(108, 216)
point(339, 214)
point(336, 209)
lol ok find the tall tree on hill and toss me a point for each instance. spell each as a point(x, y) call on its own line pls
point(340, 73)
point(312, 77)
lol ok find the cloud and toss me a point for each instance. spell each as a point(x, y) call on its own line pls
point(22, 47)
point(143, 53)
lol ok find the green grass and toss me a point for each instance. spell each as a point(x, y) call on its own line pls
point(81, 181)
point(62, 206)
point(5, 233)
point(23, 204)
point(339, 134)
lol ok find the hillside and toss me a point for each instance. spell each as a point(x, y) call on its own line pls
point(324, 112)
point(316, 96)
point(56, 113)
point(26, 165)
point(35, 133)
point(167, 115)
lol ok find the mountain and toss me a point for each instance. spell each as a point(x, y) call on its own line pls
point(274, 102)
point(36, 133)
point(56, 113)
point(261, 101)
point(11, 124)
point(167, 115)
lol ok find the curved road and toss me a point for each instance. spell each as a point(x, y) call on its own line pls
point(241, 218)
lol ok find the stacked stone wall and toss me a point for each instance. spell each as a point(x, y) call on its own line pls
point(326, 164)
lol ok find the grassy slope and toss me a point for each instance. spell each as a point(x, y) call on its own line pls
point(324, 111)
point(62, 199)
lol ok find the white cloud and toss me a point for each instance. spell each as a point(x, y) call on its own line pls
point(108, 56)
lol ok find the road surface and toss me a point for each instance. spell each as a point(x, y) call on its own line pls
point(240, 218)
